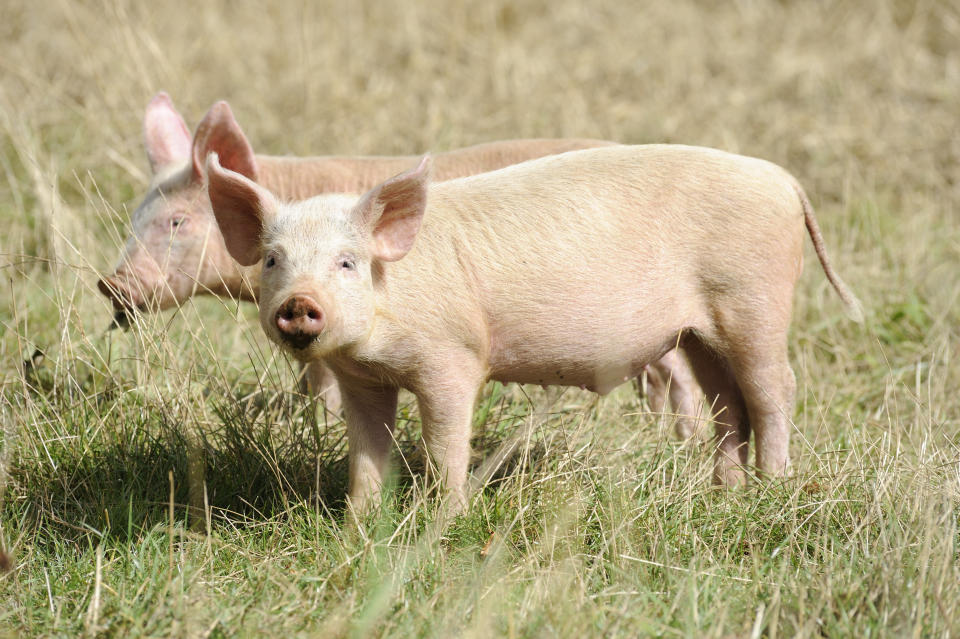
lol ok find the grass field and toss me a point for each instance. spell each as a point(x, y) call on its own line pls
point(600, 522)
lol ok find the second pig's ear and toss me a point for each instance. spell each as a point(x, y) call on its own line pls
point(220, 133)
point(165, 134)
point(393, 211)
point(240, 206)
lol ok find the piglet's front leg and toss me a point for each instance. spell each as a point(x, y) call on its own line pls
point(371, 414)
point(446, 403)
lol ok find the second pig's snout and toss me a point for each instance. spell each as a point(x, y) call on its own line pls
point(300, 320)
point(123, 296)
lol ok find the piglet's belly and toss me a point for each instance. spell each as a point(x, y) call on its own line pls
point(601, 373)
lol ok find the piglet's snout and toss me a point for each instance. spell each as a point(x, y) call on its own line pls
point(300, 320)
point(120, 293)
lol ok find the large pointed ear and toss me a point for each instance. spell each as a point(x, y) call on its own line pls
point(241, 207)
point(218, 132)
point(393, 211)
point(165, 134)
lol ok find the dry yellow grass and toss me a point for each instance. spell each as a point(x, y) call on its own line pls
point(611, 529)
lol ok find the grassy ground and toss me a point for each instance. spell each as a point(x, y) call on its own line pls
point(599, 523)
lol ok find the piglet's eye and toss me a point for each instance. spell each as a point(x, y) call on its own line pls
point(177, 221)
point(347, 263)
point(271, 261)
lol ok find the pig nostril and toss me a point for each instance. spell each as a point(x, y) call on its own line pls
point(312, 314)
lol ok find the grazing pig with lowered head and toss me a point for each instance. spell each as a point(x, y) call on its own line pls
point(576, 269)
point(176, 250)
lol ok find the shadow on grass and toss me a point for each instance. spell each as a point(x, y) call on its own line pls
point(261, 454)
point(119, 477)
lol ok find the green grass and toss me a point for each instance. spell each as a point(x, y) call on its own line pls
point(595, 520)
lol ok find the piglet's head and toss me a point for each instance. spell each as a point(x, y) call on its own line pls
point(317, 288)
point(174, 249)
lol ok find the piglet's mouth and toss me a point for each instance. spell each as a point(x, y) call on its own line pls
point(124, 318)
point(298, 341)
point(121, 319)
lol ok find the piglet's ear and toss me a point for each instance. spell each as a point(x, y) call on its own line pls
point(165, 134)
point(393, 211)
point(241, 207)
point(219, 133)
